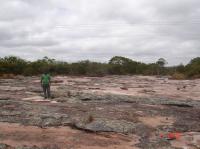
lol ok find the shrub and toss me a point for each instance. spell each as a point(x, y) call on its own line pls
point(7, 76)
point(178, 76)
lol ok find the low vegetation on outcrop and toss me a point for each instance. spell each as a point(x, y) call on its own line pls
point(117, 66)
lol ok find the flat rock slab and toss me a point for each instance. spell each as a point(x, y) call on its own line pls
point(104, 125)
point(11, 88)
point(36, 98)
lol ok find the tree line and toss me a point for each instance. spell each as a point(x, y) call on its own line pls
point(116, 66)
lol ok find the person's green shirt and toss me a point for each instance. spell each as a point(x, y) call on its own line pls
point(45, 79)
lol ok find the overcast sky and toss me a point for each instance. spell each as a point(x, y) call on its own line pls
point(73, 30)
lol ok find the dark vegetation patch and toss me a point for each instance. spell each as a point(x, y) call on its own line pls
point(11, 66)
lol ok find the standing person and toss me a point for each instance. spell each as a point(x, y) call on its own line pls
point(45, 83)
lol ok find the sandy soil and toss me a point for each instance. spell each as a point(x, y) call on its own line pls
point(156, 121)
point(62, 137)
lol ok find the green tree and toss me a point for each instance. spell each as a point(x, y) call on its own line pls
point(161, 63)
point(193, 68)
point(122, 65)
point(12, 64)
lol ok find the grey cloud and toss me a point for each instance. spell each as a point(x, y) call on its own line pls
point(25, 43)
point(176, 8)
point(15, 10)
point(97, 30)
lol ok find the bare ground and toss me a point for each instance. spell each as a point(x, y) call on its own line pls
point(114, 112)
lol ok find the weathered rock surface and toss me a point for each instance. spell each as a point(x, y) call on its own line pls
point(93, 110)
point(105, 125)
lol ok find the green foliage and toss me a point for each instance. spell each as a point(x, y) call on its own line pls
point(122, 65)
point(193, 68)
point(12, 64)
point(151, 69)
point(117, 65)
point(60, 68)
point(180, 68)
point(89, 68)
point(161, 63)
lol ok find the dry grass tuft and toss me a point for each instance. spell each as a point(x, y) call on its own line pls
point(178, 76)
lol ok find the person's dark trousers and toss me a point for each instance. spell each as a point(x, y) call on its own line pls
point(46, 90)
